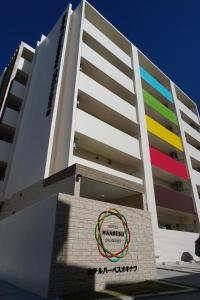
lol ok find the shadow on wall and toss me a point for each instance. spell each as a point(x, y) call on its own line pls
point(186, 257)
point(67, 279)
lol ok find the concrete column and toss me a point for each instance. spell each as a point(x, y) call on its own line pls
point(144, 149)
point(144, 200)
point(187, 157)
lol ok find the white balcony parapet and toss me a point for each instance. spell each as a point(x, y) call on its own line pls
point(107, 43)
point(188, 112)
point(24, 65)
point(106, 67)
point(193, 152)
point(107, 170)
point(17, 89)
point(196, 177)
point(106, 134)
point(10, 117)
point(191, 131)
point(106, 97)
point(4, 151)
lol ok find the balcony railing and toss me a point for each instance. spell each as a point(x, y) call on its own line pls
point(97, 137)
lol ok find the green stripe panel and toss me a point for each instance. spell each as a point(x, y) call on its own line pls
point(159, 107)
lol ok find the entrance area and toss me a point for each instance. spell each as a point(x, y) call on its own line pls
point(93, 189)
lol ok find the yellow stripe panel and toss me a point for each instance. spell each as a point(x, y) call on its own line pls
point(163, 133)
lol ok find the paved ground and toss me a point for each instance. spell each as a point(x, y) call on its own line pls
point(184, 274)
point(182, 296)
point(10, 292)
point(187, 274)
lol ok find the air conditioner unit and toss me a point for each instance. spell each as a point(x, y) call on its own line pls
point(173, 155)
point(169, 128)
point(178, 186)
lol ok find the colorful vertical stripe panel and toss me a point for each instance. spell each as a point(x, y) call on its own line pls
point(159, 107)
point(156, 85)
point(163, 133)
point(168, 164)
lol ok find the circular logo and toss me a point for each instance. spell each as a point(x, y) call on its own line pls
point(117, 235)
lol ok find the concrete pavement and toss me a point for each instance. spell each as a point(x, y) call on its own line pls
point(11, 292)
point(184, 274)
point(187, 274)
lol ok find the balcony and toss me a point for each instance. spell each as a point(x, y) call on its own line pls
point(107, 28)
point(162, 134)
point(10, 117)
point(193, 152)
point(24, 66)
point(6, 133)
point(28, 53)
point(107, 69)
point(191, 116)
point(4, 151)
point(173, 200)
point(107, 106)
point(17, 90)
point(158, 111)
point(108, 48)
point(191, 131)
point(196, 176)
point(185, 100)
point(166, 167)
point(23, 71)
point(98, 137)
point(190, 140)
point(86, 161)
point(155, 84)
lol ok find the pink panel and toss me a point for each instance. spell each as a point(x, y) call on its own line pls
point(168, 164)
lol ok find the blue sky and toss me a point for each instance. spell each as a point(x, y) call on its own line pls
point(168, 32)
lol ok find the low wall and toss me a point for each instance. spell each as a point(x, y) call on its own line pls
point(26, 240)
point(77, 262)
point(176, 245)
point(50, 248)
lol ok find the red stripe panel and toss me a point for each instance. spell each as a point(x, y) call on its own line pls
point(168, 164)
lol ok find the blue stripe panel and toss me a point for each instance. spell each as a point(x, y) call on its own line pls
point(156, 85)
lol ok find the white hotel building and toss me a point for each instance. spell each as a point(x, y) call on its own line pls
point(87, 96)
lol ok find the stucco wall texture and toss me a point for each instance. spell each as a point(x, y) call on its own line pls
point(77, 264)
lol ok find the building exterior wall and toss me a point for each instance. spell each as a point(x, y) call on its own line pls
point(14, 86)
point(190, 151)
point(176, 246)
point(76, 252)
point(27, 239)
point(35, 125)
point(148, 178)
point(94, 99)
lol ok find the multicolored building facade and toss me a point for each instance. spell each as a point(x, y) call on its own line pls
point(87, 96)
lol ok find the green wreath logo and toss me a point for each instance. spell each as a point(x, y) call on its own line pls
point(105, 252)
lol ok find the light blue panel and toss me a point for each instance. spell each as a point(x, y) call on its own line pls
point(156, 85)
